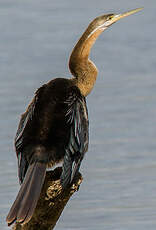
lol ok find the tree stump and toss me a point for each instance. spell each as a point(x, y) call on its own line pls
point(51, 202)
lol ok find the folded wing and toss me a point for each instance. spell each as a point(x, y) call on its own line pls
point(77, 117)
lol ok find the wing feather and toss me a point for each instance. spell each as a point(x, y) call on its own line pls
point(19, 139)
point(77, 117)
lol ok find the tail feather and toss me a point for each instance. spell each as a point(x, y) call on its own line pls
point(16, 205)
point(26, 201)
point(33, 191)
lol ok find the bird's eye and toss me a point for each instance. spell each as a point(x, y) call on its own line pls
point(110, 17)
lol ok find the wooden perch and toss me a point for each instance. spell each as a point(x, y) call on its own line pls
point(51, 202)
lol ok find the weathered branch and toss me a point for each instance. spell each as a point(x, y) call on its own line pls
point(51, 202)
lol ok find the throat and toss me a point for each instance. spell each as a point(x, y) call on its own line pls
point(81, 67)
point(85, 74)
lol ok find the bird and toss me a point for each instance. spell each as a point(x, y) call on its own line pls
point(54, 128)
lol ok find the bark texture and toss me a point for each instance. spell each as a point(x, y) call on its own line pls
point(51, 202)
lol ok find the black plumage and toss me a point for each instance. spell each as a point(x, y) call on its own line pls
point(54, 128)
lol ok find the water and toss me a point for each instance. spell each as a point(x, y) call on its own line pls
point(36, 38)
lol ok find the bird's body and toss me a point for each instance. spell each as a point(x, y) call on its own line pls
point(54, 127)
point(47, 123)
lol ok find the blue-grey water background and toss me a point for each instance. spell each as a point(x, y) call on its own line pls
point(119, 170)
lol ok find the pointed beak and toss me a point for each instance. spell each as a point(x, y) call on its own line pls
point(119, 16)
point(114, 18)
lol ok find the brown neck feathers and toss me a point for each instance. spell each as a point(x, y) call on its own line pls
point(83, 69)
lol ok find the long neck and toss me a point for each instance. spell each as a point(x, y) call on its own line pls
point(83, 69)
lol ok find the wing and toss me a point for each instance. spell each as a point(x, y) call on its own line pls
point(77, 117)
point(19, 139)
point(21, 134)
point(25, 119)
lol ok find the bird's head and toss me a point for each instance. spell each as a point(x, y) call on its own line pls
point(81, 67)
point(101, 23)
